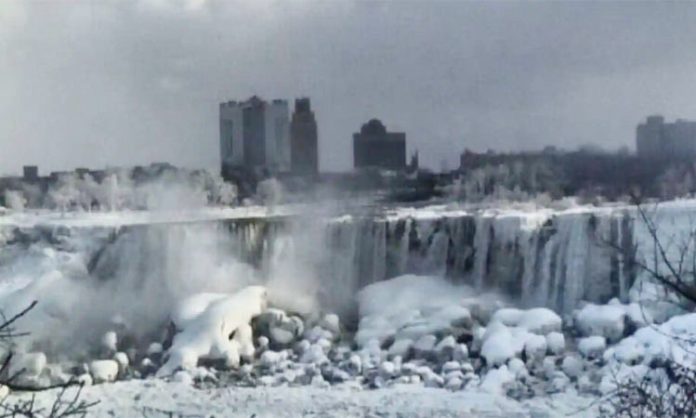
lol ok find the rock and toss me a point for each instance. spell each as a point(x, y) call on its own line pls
point(602, 320)
point(262, 343)
point(424, 347)
point(315, 354)
point(558, 383)
point(281, 336)
point(537, 320)
point(517, 368)
point(154, 348)
point(122, 360)
point(183, 376)
point(401, 347)
point(318, 381)
point(267, 380)
point(85, 379)
point(572, 366)
point(354, 364)
point(325, 344)
point(592, 347)
point(451, 366)
point(4, 392)
point(27, 365)
point(302, 346)
point(387, 369)
point(331, 323)
point(461, 352)
point(549, 366)
point(433, 381)
point(104, 370)
point(586, 385)
point(316, 333)
point(109, 341)
point(445, 348)
point(454, 383)
point(535, 347)
point(409, 368)
point(556, 343)
point(271, 359)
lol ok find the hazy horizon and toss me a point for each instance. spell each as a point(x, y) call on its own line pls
point(98, 83)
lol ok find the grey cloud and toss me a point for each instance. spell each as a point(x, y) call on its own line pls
point(99, 82)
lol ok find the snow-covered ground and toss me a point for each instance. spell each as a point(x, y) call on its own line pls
point(157, 398)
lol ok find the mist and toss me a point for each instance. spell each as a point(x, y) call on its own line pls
point(100, 83)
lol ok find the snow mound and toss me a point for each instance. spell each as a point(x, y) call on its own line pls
point(604, 320)
point(537, 320)
point(673, 340)
point(221, 331)
point(410, 306)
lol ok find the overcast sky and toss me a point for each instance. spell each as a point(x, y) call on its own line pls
point(96, 83)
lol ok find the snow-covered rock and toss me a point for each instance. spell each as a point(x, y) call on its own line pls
point(460, 353)
point(109, 341)
point(535, 347)
point(451, 366)
point(592, 347)
point(555, 342)
point(332, 323)
point(572, 366)
point(207, 335)
point(104, 370)
point(272, 358)
point(27, 365)
point(497, 380)
point(445, 348)
point(122, 360)
point(424, 347)
point(501, 344)
point(607, 321)
point(400, 347)
point(537, 320)
point(154, 348)
point(673, 340)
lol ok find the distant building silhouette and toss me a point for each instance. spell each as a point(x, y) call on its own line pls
point(304, 155)
point(30, 173)
point(657, 139)
point(255, 134)
point(374, 147)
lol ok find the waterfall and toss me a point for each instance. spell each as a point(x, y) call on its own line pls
point(543, 258)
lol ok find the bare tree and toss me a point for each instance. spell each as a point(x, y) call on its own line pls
point(667, 388)
point(64, 405)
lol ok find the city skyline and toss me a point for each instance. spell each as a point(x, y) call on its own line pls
point(106, 79)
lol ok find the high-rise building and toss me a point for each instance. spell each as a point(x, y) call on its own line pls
point(303, 139)
point(657, 139)
point(255, 134)
point(374, 147)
